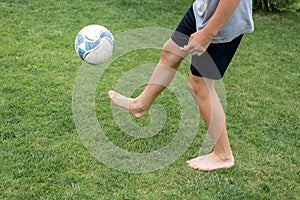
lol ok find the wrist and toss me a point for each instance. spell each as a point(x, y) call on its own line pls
point(211, 33)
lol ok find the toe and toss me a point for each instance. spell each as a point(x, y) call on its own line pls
point(110, 94)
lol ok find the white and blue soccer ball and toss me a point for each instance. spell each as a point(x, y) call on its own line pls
point(94, 44)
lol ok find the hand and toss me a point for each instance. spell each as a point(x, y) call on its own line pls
point(198, 43)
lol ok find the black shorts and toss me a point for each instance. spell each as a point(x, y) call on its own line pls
point(214, 62)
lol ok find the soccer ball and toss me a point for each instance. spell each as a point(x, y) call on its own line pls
point(94, 44)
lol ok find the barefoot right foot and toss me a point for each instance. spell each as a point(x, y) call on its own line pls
point(132, 105)
point(211, 162)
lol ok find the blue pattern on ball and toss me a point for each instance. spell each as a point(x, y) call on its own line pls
point(91, 45)
point(108, 35)
point(81, 53)
point(80, 39)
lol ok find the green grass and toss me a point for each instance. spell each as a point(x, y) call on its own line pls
point(42, 156)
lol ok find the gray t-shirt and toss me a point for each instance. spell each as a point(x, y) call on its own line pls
point(241, 21)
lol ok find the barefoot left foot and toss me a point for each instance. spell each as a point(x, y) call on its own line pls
point(132, 105)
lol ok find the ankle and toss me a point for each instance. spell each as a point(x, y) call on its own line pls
point(224, 156)
point(138, 104)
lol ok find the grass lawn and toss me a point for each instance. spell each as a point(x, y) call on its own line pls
point(43, 157)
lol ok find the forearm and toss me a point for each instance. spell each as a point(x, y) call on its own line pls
point(223, 12)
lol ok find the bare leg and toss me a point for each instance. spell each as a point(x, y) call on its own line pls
point(160, 79)
point(207, 100)
point(214, 118)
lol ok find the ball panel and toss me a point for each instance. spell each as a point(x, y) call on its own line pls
point(80, 39)
point(108, 35)
point(81, 53)
point(90, 45)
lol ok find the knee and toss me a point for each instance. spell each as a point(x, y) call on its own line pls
point(171, 54)
point(200, 88)
point(170, 59)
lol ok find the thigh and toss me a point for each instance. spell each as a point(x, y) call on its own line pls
point(215, 61)
point(185, 28)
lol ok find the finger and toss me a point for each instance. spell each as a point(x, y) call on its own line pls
point(186, 48)
point(199, 53)
point(191, 47)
